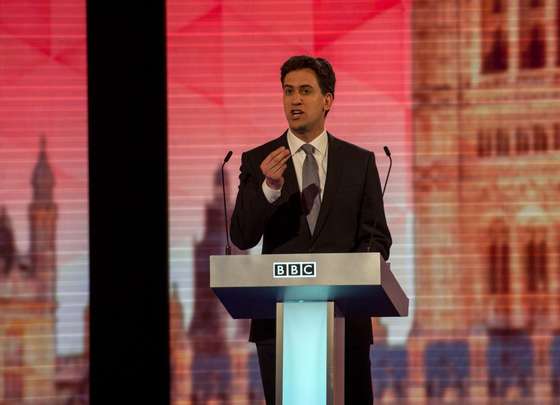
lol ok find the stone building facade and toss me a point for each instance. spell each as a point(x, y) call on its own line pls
point(486, 126)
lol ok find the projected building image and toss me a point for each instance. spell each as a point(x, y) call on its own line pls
point(477, 175)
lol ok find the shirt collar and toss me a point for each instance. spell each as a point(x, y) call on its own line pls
point(320, 143)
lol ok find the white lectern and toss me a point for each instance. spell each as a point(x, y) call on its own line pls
point(309, 295)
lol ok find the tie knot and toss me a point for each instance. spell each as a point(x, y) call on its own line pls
point(308, 148)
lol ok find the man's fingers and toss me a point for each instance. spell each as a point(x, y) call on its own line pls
point(274, 160)
point(275, 165)
point(279, 171)
point(269, 157)
point(273, 155)
point(280, 158)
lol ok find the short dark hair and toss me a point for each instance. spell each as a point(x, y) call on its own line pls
point(322, 68)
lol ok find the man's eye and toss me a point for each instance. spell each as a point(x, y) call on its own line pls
point(287, 92)
point(305, 91)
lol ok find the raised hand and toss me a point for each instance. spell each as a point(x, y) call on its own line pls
point(273, 167)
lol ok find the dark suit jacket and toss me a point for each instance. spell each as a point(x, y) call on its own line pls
point(351, 211)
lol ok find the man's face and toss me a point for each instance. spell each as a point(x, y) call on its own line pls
point(304, 104)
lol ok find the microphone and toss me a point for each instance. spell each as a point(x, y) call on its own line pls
point(388, 153)
point(228, 246)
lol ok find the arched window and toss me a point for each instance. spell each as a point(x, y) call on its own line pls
point(495, 47)
point(504, 269)
point(536, 266)
point(496, 59)
point(540, 140)
point(534, 53)
point(502, 143)
point(530, 264)
point(484, 146)
point(499, 261)
point(492, 263)
point(521, 141)
point(535, 260)
point(542, 266)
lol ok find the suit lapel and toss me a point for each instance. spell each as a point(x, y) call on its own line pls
point(334, 170)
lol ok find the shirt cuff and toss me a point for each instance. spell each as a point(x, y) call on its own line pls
point(270, 193)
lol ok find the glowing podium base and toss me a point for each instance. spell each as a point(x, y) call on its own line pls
point(309, 295)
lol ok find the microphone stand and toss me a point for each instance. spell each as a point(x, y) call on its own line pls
point(388, 153)
point(228, 246)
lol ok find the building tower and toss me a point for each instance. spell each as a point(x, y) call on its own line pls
point(42, 222)
point(211, 363)
point(27, 298)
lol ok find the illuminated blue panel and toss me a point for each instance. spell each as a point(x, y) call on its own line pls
point(304, 378)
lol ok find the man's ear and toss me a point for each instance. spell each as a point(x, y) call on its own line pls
point(329, 98)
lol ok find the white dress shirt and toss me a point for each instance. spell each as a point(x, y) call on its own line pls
point(321, 145)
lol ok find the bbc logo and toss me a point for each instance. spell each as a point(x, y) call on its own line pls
point(295, 269)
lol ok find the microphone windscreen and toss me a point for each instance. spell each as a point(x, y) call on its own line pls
point(387, 151)
point(228, 156)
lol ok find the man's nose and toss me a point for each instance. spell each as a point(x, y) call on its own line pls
point(296, 99)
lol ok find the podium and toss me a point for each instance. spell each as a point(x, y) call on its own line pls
point(309, 294)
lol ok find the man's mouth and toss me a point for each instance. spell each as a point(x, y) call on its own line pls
point(296, 113)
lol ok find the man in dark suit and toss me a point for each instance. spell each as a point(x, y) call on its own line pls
point(308, 191)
